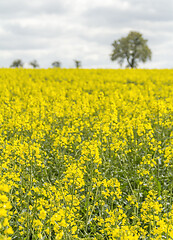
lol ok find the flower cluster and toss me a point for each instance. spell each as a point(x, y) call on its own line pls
point(86, 154)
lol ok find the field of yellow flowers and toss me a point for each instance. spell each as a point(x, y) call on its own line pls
point(86, 154)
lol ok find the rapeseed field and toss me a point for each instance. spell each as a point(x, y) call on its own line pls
point(86, 154)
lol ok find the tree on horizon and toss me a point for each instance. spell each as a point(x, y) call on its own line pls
point(77, 63)
point(34, 64)
point(56, 64)
point(17, 63)
point(132, 48)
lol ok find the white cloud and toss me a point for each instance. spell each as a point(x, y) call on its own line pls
point(49, 30)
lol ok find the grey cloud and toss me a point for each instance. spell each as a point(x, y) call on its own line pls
point(41, 31)
point(22, 9)
point(23, 43)
point(63, 30)
point(116, 17)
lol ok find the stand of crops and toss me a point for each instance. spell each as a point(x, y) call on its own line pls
point(86, 154)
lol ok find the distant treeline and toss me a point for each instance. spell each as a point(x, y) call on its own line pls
point(18, 63)
point(130, 50)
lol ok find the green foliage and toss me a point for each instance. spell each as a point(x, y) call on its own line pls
point(34, 64)
point(16, 63)
point(132, 48)
point(77, 63)
point(56, 64)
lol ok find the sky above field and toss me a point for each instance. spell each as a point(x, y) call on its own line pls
point(64, 30)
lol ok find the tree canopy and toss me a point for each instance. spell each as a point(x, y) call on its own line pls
point(56, 64)
point(77, 63)
point(132, 48)
point(34, 64)
point(16, 63)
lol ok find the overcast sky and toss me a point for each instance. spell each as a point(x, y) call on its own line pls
point(64, 30)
